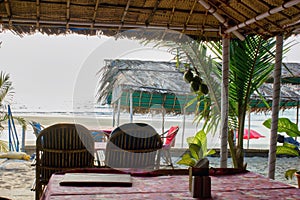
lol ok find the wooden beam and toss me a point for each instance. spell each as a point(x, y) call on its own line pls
point(263, 15)
point(29, 22)
point(38, 13)
point(190, 14)
point(224, 2)
point(172, 14)
point(147, 22)
point(68, 14)
point(220, 18)
point(8, 9)
point(124, 15)
point(95, 13)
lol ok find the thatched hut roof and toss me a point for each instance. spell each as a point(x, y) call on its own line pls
point(290, 73)
point(289, 97)
point(199, 18)
point(154, 84)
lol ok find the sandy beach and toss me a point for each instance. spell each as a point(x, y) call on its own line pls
point(16, 179)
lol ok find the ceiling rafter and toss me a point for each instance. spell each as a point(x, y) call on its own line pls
point(172, 13)
point(28, 22)
point(190, 14)
point(38, 13)
point(253, 10)
point(223, 2)
point(147, 22)
point(68, 14)
point(95, 13)
point(264, 15)
point(7, 8)
point(124, 15)
point(219, 17)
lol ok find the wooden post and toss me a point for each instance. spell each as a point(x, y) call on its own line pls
point(131, 106)
point(275, 107)
point(224, 102)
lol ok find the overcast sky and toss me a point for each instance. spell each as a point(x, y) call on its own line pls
point(45, 70)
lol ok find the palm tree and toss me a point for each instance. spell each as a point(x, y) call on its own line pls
point(6, 93)
point(251, 64)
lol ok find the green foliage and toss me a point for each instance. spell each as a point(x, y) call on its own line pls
point(287, 150)
point(290, 173)
point(6, 92)
point(197, 149)
point(284, 125)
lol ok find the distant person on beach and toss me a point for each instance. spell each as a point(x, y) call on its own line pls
point(290, 140)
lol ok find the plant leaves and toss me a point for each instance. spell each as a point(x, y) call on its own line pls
point(290, 173)
point(286, 151)
point(284, 125)
point(186, 160)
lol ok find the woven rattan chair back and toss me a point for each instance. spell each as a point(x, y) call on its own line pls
point(133, 145)
point(62, 147)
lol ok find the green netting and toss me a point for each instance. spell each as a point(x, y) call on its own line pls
point(145, 102)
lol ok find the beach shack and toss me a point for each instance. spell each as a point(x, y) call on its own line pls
point(139, 86)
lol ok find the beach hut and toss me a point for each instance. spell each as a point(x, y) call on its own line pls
point(145, 86)
point(200, 19)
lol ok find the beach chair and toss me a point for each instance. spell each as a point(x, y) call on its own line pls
point(169, 142)
point(37, 127)
point(62, 147)
point(133, 145)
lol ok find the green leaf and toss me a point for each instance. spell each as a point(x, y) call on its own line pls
point(195, 151)
point(284, 125)
point(290, 173)
point(289, 145)
point(286, 151)
point(186, 160)
point(210, 152)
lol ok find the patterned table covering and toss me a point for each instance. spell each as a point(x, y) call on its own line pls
point(239, 186)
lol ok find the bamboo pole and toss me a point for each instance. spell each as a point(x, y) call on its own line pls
point(220, 18)
point(263, 15)
point(275, 107)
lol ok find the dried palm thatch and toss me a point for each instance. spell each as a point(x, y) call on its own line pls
point(289, 98)
point(160, 84)
point(154, 85)
point(290, 73)
point(198, 18)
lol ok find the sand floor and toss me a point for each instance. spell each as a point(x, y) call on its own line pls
point(16, 179)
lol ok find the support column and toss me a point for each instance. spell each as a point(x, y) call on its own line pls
point(224, 102)
point(131, 106)
point(275, 107)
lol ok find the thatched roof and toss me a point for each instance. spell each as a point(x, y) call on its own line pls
point(290, 73)
point(289, 97)
point(154, 83)
point(199, 18)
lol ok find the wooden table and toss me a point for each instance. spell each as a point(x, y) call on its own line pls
point(237, 186)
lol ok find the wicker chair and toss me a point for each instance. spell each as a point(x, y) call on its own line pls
point(133, 145)
point(62, 147)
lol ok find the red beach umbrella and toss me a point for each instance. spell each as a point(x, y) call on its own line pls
point(253, 134)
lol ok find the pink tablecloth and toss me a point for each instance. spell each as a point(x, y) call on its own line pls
point(239, 187)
